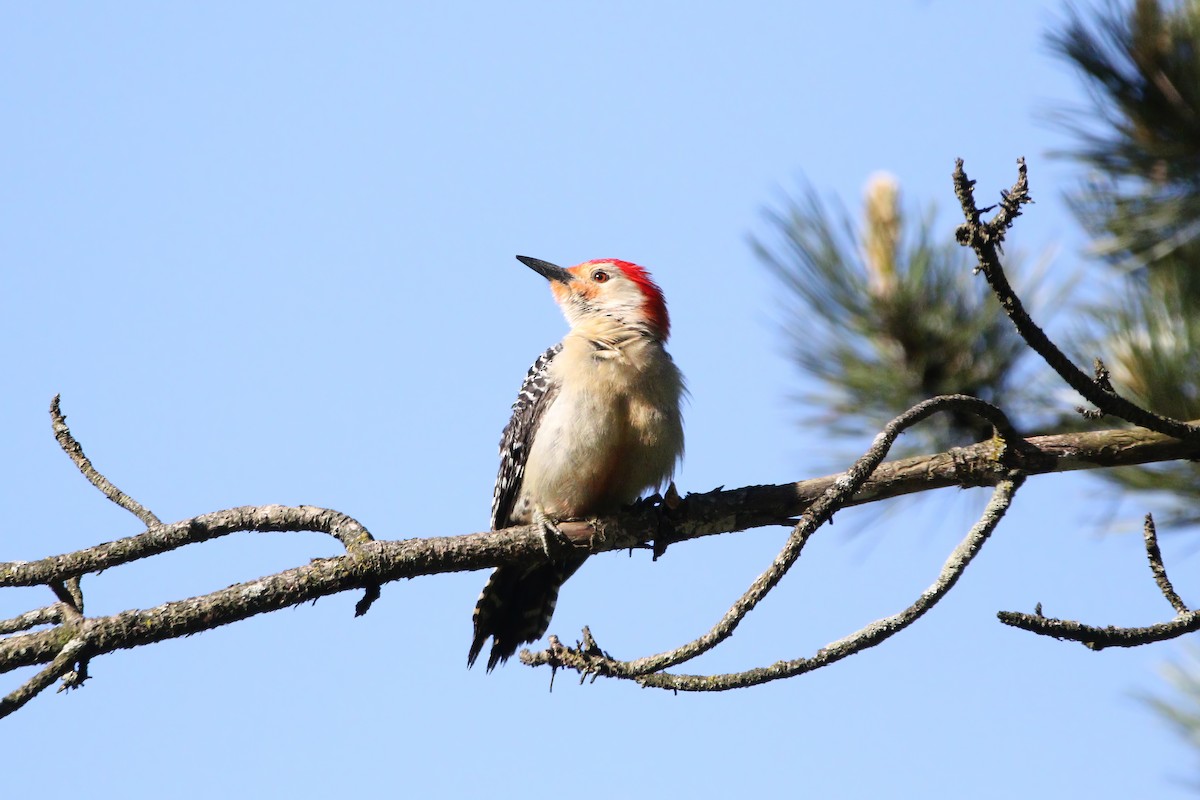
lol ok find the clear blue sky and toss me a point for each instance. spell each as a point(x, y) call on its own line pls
point(265, 252)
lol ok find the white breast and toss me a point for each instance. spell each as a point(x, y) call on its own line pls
point(613, 431)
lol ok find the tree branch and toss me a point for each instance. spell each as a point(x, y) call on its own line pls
point(986, 238)
point(835, 497)
point(75, 452)
point(1097, 638)
point(983, 464)
point(374, 562)
point(1158, 569)
point(49, 615)
point(62, 664)
point(589, 659)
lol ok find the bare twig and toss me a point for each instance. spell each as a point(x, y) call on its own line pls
point(156, 539)
point(1103, 380)
point(163, 538)
point(60, 666)
point(49, 615)
point(73, 450)
point(834, 497)
point(70, 596)
point(985, 239)
point(1097, 638)
point(1154, 555)
point(372, 593)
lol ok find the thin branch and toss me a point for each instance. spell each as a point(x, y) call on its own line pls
point(984, 464)
point(1158, 569)
point(156, 540)
point(985, 238)
point(875, 633)
point(1103, 380)
point(71, 602)
point(75, 452)
point(834, 498)
point(589, 659)
point(163, 538)
point(820, 512)
point(50, 615)
point(1097, 638)
point(160, 539)
point(60, 666)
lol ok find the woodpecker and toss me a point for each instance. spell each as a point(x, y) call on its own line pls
point(596, 423)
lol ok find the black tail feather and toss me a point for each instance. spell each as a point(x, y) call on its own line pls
point(515, 607)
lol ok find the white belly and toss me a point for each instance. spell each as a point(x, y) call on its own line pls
point(613, 431)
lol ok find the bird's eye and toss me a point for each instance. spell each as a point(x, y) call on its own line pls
point(599, 276)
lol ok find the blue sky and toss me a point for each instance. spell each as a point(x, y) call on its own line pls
point(265, 252)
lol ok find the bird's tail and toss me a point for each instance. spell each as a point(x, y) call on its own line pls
point(515, 607)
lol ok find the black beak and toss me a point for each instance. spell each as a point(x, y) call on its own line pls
point(547, 270)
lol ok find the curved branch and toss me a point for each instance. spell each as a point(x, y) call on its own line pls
point(984, 464)
point(163, 538)
point(870, 635)
point(648, 671)
point(589, 659)
point(832, 499)
point(59, 667)
point(1097, 638)
point(50, 615)
point(1158, 569)
point(74, 451)
point(985, 238)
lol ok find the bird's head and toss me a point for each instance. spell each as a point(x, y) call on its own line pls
point(607, 289)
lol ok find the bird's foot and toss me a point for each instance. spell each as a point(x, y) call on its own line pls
point(554, 541)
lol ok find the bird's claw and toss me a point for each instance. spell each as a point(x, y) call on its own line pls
point(554, 541)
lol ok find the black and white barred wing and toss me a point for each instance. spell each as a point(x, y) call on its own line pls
point(536, 395)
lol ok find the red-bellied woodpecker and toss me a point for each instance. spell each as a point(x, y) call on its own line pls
point(596, 423)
